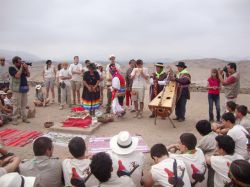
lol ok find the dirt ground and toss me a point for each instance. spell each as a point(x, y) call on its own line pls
point(163, 132)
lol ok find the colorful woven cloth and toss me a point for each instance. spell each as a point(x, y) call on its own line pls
point(77, 109)
point(19, 138)
point(78, 122)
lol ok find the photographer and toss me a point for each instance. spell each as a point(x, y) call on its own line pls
point(19, 86)
point(231, 83)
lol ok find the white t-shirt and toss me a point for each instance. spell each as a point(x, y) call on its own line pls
point(116, 181)
point(4, 73)
point(80, 166)
point(244, 122)
point(8, 101)
point(162, 172)
point(124, 163)
point(208, 143)
point(50, 72)
point(238, 133)
point(138, 80)
point(221, 164)
point(194, 163)
point(76, 68)
point(65, 73)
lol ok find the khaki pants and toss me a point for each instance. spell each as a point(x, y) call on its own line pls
point(66, 95)
point(20, 101)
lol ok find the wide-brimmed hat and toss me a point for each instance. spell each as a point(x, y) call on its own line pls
point(16, 180)
point(2, 92)
point(111, 56)
point(181, 64)
point(159, 64)
point(9, 92)
point(38, 87)
point(123, 143)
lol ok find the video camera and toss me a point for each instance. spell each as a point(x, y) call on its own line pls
point(27, 63)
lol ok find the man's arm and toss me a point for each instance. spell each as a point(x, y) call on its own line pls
point(148, 181)
point(12, 163)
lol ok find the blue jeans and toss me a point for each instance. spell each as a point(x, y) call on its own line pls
point(180, 108)
point(214, 98)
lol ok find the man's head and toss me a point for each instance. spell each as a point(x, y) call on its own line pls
point(9, 94)
point(101, 166)
point(239, 173)
point(231, 106)
point(187, 142)
point(43, 146)
point(139, 63)
point(112, 59)
point(76, 59)
point(225, 145)
point(2, 61)
point(64, 65)
point(158, 151)
point(112, 69)
point(203, 127)
point(87, 62)
point(241, 111)
point(181, 66)
point(77, 147)
point(132, 63)
point(17, 61)
point(231, 68)
point(228, 119)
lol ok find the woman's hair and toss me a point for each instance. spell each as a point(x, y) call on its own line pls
point(214, 70)
point(47, 63)
point(59, 66)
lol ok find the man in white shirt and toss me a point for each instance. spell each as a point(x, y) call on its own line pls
point(76, 70)
point(242, 118)
point(64, 79)
point(4, 75)
point(237, 132)
point(166, 170)
point(79, 163)
point(193, 158)
point(101, 168)
point(140, 77)
point(221, 162)
point(126, 160)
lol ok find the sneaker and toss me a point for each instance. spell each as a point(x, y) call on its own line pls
point(26, 121)
point(133, 110)
point(176, 118)
point(181, 120)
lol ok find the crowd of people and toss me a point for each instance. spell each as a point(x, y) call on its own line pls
point(220, 158)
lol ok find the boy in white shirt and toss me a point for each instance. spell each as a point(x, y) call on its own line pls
point(166, 170)
point(242, 118)
point(64, 79)
point(237, 132)
point(193, 158)
point(221, 162)
point(76, 71)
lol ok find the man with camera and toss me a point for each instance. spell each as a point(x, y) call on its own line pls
point(19, 86)
point(231, 82)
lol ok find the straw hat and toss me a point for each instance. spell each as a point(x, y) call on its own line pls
point(2, 92)
point(9, 92)
point(123, 143)
point(159, 64)
point(16, 180)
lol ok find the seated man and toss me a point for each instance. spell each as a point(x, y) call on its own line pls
point(231, 106)
point(207, 143)
point(242, 118)
point(40, 97)
point(193, 158)
point(9, 164)
point(43, 166)
point(126, 160)
point(101, 168)
point(8, 100)
point(166, 169)
point(80, 163)
point(221, 162)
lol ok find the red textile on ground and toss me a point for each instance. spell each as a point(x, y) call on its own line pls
point(77, 109)
point(78, 122)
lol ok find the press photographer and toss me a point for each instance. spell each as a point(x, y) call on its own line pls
point(19, 86)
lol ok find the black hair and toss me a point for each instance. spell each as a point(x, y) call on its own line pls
point(48, 62)
point(101, 166)
point(92, 66)
point(158, 150)
point(59, 66)
point(15, 59)
point(77, 147)
point(87, 61)
point(132, 60)
point(232, 65)
point(240, 169)
point(41, 145)
point(226, 143)
point(203, 127)
point(228, 116)
point(189, 140)
point(139, 61)
point(242, 109)
point(232, 105)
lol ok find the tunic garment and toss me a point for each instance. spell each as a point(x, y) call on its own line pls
point(160, 84)
point(91, 99)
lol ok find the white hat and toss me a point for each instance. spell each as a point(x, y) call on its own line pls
point(15, 180)
point(38, 87)
point(2, 92)
point(123, 143)
point(110, 56)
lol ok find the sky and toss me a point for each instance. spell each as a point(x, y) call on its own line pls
point(146, 29)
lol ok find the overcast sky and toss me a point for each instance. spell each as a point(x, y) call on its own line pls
point(147, 29)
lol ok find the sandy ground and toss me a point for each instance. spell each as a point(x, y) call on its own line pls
point(163, 132)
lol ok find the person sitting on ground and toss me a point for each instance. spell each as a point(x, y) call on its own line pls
point(8, 100)
point(43, 166)
point(207, 143)
point(126, 160)
point(225, 154)
point(166, 171)
point(3, 108)
point(16, 180)
point(193, 158)
point(80, 162)
point(231, 106)
point(101, 168)
point(40, 97)
point(242, 118)
point(239, 173)
point(8, 163)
